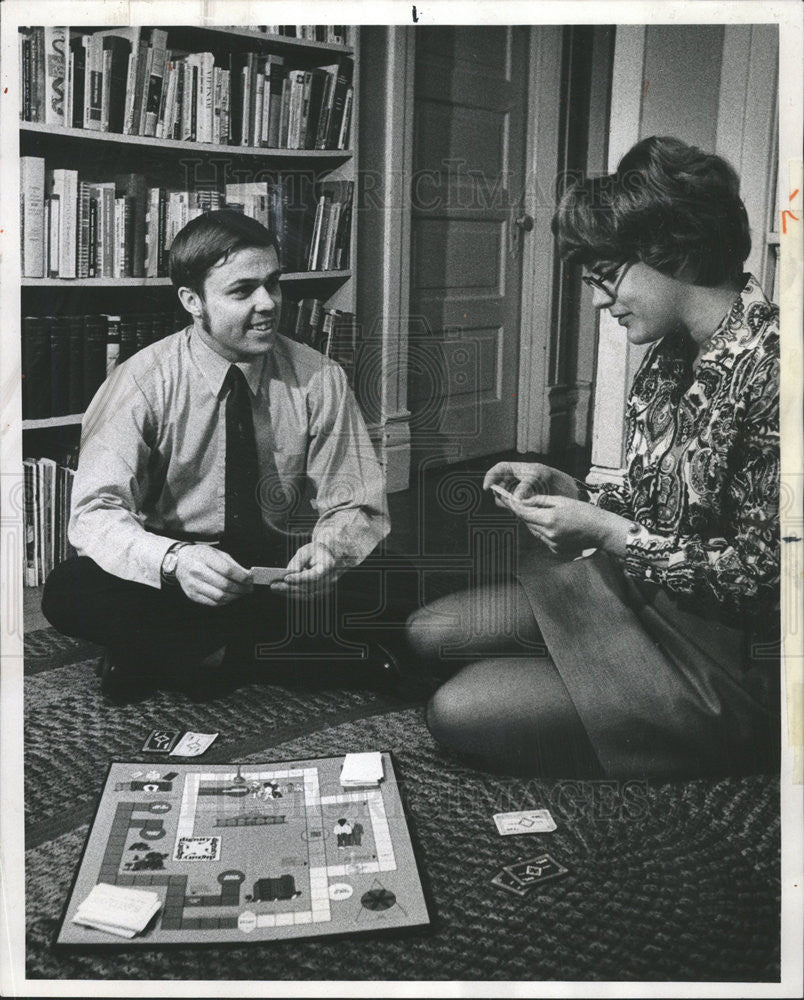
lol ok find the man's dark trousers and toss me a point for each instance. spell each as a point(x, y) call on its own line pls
point(155, 631)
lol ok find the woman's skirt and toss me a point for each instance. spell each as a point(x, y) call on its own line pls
point(661, 692)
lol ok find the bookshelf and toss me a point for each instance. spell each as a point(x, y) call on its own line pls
point(201, 168)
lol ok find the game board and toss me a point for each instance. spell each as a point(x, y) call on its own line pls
point(250, 852)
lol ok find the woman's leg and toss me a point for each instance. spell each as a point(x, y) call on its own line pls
point(462, 627)
point(513, 715)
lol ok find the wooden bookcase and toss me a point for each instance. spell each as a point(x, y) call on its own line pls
point(182, 164)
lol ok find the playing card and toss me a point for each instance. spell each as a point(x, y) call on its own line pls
point(505, 880)
point(538, 869)
point(193, 744)
point(502, 492)
point(265, 575)
point(161, 741)
point(528, 821)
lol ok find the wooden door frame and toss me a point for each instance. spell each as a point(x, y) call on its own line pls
point(542, 146)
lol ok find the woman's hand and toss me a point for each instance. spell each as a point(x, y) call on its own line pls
point(528, 479)
point(567, 527)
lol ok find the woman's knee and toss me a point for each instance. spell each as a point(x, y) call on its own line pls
point(428, 631)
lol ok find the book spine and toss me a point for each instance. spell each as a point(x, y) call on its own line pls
point(54, 236)
point(131, 84)
point(342, 84)
point(75, 387)
point(216, 105)
point(107, 231)
point(304, 110)
point(78, 49)
point(144, 59)
point(69, 77)
point(142, 98)
point(59, 366)
point(35, 368)
point(25, 81)
point(155, 90)
point(28, 529)
point(106, 88)
point(65, 186)
point(112, 343)
point(32, 190)
point(343, 138)
point(166, 96)
point(94, 355)
point(82, 269)
point(226, 117)
point(37, 74)
point(119, 236)
point(162, 248)
point(208, 94)
point(128, 337)
point(92, 269)
point(93, 96)
point(55, 41)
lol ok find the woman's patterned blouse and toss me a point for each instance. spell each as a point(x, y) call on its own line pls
point(702, 465)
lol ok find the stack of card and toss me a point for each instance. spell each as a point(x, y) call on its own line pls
point(361, 769)
point(117, 910)
point(520, 878)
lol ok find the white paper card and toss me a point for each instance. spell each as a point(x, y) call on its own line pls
point(263, 576)
point(193, 744)
point(117, 909)
point(528, 821)
point(362, 769)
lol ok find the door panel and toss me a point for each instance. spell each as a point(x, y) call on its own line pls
point(468, 183)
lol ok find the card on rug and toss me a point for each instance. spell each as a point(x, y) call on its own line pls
point(505, 880)
point(538, 869)
point(526, 821)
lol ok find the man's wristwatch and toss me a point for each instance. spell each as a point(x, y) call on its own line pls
point(169, 563)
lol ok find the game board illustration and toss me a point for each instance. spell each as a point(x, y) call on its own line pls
point(249, 852)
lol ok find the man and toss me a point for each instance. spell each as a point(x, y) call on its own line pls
point(222, 447)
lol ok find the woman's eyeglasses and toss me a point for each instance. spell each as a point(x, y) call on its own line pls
point(607, 281)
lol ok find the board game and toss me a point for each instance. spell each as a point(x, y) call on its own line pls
point(252, 852)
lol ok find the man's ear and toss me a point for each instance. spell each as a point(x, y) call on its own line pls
point(191, 301)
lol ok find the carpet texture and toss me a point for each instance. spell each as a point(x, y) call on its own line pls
point(667, 882)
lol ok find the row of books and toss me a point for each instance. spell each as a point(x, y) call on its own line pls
point(334, 332)
point(330, 34)
point(66, 358)
point(122, 227)
point(48, 495)
point(126, 80)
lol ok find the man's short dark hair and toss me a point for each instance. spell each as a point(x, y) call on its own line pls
point(670, 205)
point(209, 238)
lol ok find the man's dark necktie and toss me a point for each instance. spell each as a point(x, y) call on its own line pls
point(243, 536)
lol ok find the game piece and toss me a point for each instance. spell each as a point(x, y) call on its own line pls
point(161, 741)
point(361, 769)
point(263, 576)
point(505, 880)
point(527, 821)
point(193, 744)
point(248, 852)
point(538, 869)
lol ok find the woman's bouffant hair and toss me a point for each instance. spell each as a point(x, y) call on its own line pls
point(210, 238)
point(670, 205)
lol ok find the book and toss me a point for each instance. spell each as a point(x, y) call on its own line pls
point(339, 91)
point(94, 356)
point(37, 75)
point(55, 47)
point(78, 76)
point(112, 343)
point(75, 382)
point(32, 216)
point(156, 72)
point(31, 575)
point(132, 71)
point(35, 368)
point(93, 90)
point(62, 184)
point(84, 247)
point(59, 365)
point(134, 188)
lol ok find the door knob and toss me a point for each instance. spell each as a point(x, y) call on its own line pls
point(525, 223)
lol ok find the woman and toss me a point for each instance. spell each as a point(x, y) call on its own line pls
point(661, 647)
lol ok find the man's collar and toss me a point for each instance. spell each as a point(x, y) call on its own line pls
point(214, 367)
